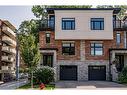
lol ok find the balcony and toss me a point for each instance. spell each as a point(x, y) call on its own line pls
point(8, 31)
point(8, 40)
point(4, 68)
point(120, 25)
point(7, 59)
point(47, 25)
point(8, 49)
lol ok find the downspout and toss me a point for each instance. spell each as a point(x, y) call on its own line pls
point(110, 75)
point(125, 40)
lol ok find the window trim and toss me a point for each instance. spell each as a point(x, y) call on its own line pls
point(70, 46)
point(117, 38)
point(97, 21)
point(71, 26)
point(47, 37)
point(95, 49)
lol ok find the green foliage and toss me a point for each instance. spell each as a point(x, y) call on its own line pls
point(29, 50)
point(121, 13)
point(43, 75)
point(122, 78)
point(39, 10)
point(30, 27)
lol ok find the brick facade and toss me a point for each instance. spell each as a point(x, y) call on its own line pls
point(82, 58)
point(58, 44)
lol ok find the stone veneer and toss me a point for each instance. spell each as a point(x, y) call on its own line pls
point(82, 67)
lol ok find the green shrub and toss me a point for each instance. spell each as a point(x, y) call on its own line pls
point(43, 75)
point(122, 78)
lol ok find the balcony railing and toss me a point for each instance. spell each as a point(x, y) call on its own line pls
point(47, 24)
point(8, 40)
point(120, 24)
point(8, 31)
point(7, 58)
point(8, 49)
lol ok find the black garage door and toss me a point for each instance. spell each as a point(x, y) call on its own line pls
point(68, 72)
point(97, 72)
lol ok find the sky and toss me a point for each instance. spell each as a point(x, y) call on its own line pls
point(16, 14)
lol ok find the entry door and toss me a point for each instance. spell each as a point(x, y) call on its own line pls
point(120, 64)
point(0, 77)
point(48, 60)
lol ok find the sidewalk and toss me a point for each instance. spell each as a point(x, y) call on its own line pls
point(13, 85)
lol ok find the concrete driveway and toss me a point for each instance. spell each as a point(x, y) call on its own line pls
point(88, 85)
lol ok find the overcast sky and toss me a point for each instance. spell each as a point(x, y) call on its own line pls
point(16, 14)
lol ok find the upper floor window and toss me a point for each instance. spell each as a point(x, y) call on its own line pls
point(96, 49)
point(68, 49)
point(118, 38)
point(47, 37)
point(51, 22)
point(68, 23)
point(97, 23)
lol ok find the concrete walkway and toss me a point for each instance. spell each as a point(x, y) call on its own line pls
point(88, 85)
point(13, 85)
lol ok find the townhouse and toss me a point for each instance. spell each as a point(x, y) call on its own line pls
point(7, 50)
point(83, 43)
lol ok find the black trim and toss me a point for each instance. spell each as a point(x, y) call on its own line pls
point(115, 10)
point(64, 27)
point(110, 49)
point(49, 49)
point(93, 24)
point(94, 47)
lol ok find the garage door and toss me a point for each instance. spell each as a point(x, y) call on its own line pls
point(68, 72)
point(97, 72)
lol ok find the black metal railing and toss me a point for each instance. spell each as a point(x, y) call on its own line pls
point(117, 24)
point(47, 24)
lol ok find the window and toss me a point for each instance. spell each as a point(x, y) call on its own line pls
point(68, 24)
point(96, 49)
point(68, 49)
point(47, 37)
point(97, 23)
point(118, 38)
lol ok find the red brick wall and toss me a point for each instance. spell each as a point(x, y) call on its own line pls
point(58, 44)
point(68, 57)
point(106, 45)
point(42, 40)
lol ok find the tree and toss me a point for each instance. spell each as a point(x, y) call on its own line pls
point(40, 11)
point(30, 27)
point(121, 14)
point(29, 52)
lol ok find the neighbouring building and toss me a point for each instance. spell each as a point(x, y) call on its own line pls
point(84, 43)
point(7, 51)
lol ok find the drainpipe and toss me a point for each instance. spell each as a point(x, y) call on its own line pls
point(17, 57)
point(110, 75)
point(125, 40)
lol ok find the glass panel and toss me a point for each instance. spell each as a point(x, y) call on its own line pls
point(66, 44)
point(68, 23)
point(98, 45)
point(118, 38)
point(47, 35)
point(97, 19)
point(98, 51)
point(92, 51)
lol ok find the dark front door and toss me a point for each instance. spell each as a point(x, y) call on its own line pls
point(0, 77)
point(68, 72)
point(97, 72)
point(120, 64)
point(48, 60)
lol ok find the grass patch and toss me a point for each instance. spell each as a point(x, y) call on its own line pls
point(36, 87)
